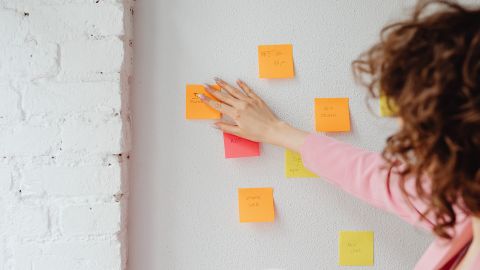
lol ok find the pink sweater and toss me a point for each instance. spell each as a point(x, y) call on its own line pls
point(360, 173)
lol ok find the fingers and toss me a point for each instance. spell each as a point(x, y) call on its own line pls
point(221, 107)
point(247, 90)
point(228, 128)
point(230, 89)
point(222, 96)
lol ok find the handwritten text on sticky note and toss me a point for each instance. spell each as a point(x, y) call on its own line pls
point(236, 147)
point(355, 248)
point(275, 61)
point(256, 204)
point(294, 166)
point(195, 108)
point(332, 114)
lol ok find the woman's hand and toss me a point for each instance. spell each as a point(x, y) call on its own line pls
point(254, 120)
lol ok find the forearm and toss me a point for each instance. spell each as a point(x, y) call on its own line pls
point(284, 135)
point(361, 173)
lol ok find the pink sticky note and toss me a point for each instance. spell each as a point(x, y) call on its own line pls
point(236, 147)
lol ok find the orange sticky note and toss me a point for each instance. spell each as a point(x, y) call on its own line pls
point(275, 61)
point(195, 108)
point(332, 114)
point(256, 204)
point(236, 147)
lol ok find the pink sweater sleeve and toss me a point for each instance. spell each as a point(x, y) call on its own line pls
point(360, 173)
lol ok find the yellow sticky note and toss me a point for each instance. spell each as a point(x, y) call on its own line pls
point(195, 108)
point(275, 61)
point(332, 114)
point(355, 248)
point(294, 166)
point(256, 204)
point(387, 106)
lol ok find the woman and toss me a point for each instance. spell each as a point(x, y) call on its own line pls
point(429, 68)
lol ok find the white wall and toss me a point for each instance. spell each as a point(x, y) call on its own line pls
point(184, 204)
point(63, 124)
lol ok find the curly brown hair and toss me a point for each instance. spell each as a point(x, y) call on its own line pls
point(428, 66)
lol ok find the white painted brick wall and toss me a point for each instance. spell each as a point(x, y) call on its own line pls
point(64, 133)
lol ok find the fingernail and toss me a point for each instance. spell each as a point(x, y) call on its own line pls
point(240, 81)
point(201, 96)
point(218, 80)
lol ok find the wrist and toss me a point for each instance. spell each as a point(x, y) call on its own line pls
point(275, 134)
point(284, 135)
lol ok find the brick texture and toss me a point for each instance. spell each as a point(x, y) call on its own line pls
point(64, 133)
